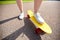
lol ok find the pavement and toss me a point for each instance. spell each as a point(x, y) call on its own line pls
point(11, 28)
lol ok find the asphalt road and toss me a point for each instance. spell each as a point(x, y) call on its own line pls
point(11, 28)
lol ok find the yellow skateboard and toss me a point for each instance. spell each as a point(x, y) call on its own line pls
point(44, 27)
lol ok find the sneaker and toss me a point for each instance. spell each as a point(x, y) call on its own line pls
point(21, 16)
point(39, 18)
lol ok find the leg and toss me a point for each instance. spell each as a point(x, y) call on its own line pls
point(37, 4)
point(20, 5)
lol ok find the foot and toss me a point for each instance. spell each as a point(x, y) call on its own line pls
point(39, 18)
point(21, 16)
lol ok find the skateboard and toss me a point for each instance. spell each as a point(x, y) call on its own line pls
point(39, 27)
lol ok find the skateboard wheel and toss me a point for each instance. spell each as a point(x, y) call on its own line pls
point(28, 16)
point(38, 31)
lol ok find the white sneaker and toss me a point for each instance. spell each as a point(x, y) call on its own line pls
point(21, 16)
point(39, 18)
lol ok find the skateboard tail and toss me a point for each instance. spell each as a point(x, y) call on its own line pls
point(30, 13)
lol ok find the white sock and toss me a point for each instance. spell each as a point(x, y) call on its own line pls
point(39, 18)
point(21, 16)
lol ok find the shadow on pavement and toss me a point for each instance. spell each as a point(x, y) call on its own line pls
point(4, 21)
point(27, 29)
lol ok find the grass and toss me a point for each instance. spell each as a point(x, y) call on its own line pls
point(15, 0)
point(12, 1)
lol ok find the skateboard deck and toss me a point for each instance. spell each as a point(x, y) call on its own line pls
point(44, 27)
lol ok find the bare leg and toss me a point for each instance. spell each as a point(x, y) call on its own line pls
point(20, 5)
point(37, 4)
